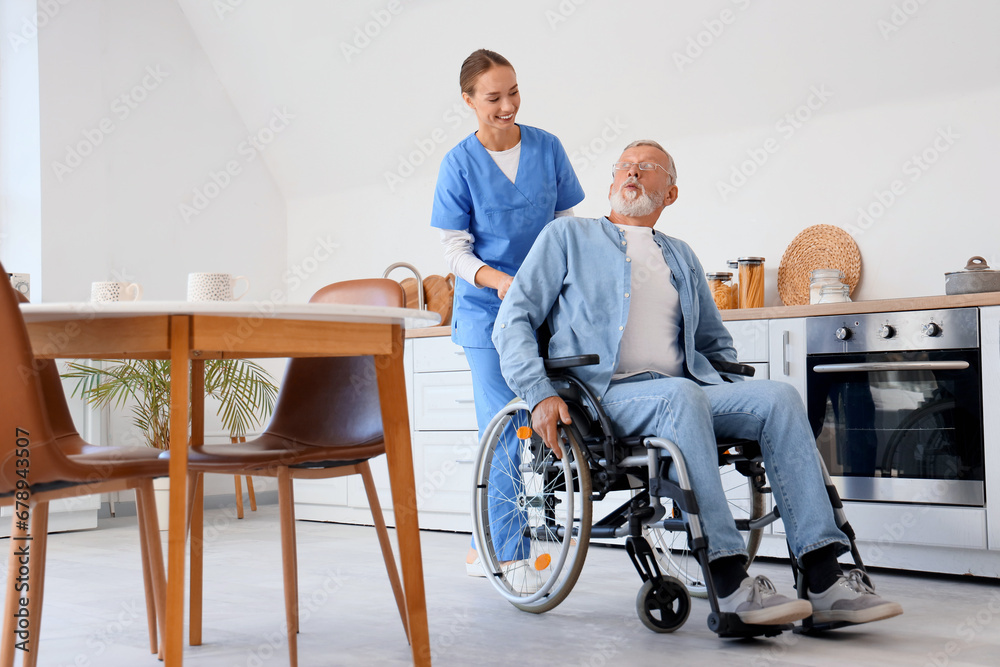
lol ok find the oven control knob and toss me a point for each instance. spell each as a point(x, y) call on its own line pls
point(932, 329)
point(886, 331)
point(843, 333)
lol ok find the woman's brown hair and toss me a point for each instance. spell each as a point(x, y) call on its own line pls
point(480, 61)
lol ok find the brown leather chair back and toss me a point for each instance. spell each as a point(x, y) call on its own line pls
point(334, 401)
point(22, 402)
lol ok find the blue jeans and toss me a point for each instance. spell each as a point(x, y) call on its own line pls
point(770, 412)
point(492, 394)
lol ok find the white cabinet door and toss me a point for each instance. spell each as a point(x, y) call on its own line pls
point(750, 340)
point(443, 402)
point(787, 352)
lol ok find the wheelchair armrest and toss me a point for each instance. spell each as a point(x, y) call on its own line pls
point(733, 368)
point(562, 363)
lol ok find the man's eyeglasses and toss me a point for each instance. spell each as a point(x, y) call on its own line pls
point(643, 166)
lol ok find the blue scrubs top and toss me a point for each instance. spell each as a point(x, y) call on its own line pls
point(504, 218)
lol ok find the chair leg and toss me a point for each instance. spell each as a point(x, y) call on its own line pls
point(196, 527)
point(286, 510)
point(239, 497)
point(39, 543)
point(295, 552)
point(149, 529)
point(253, 496)
point(383, 540)
point(147, 580)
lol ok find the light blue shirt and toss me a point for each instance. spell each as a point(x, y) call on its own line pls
point(578, 277)
point(504, 217)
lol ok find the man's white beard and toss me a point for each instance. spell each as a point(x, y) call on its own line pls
point(639, 205)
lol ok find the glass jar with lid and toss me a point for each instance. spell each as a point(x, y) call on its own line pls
point(721, 284)
point(819, 278)
point(734, 297)
point(838, 293)
point(751, 282)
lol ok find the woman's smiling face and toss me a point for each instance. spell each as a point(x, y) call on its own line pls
point(495, 98)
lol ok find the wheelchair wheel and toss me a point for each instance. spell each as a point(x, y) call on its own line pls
point(672, 549)
point(663, 608)
point(531, 512)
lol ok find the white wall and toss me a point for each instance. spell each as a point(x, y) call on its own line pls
point(609, 73)
point(134, 121)
point(20, 178)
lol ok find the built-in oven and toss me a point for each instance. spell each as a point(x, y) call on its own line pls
point(895, 400)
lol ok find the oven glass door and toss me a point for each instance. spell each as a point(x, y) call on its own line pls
point(900, 426)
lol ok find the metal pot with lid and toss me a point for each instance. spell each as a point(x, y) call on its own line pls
point(976, 277)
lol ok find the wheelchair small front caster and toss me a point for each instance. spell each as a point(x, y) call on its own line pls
point(663, 607)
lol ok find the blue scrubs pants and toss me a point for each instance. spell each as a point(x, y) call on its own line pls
point(492, 394)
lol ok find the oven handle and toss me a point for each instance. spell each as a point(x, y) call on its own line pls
point(892, 366)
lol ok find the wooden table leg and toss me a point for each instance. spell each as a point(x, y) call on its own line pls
point(396, 426)
point(180, 344)
point(198, 510)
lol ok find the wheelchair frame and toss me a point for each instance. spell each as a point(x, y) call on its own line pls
point(663, 603)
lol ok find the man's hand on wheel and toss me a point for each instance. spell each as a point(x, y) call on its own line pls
point(545, 419)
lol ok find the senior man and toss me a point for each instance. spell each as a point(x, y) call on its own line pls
point(617, 287)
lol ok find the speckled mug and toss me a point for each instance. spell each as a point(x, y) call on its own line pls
point(215, 287)
point(115, 291)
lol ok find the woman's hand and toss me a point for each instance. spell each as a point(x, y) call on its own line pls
point(503, 285)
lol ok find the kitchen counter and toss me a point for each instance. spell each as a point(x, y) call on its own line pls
point(855, 307)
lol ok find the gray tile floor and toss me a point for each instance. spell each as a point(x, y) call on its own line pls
point(94, 610)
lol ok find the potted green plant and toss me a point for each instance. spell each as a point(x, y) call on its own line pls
point(245, 391)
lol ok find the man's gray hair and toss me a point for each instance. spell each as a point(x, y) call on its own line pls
point(671, 168)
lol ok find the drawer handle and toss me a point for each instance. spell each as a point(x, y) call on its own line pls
point(465, 400)
point(460, 353)
point(462, 461)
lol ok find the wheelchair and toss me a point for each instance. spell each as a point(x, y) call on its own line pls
point(533, 521)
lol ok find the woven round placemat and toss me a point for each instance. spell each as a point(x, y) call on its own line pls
point(816, 247)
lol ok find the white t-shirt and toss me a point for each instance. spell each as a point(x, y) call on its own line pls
point(651, 340)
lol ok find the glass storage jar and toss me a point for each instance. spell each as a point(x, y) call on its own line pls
point(721, 285)
point(734, 298)
point(751, 282)
point(839, 293)
point(819, 278)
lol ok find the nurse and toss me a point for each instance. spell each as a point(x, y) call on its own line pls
point(495, 191)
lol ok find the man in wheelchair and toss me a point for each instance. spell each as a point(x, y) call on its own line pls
point(639, 299)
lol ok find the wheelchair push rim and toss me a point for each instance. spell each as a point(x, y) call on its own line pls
point(549, 506)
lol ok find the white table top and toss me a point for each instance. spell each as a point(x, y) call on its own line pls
point(410, 318)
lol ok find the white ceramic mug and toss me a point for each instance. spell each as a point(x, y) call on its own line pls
point(215, 287)
point(115, 291)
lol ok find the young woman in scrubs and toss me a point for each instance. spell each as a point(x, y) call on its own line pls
point(495, 192)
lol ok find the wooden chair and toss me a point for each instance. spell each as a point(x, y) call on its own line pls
point(327, 423)
point(43, 458)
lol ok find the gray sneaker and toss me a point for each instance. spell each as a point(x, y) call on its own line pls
point(756, 602)
point(851, 600)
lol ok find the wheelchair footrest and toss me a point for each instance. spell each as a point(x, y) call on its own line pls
point(729, 625)
point(810, 628)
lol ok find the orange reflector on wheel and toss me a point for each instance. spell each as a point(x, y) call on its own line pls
point(543, 562)
point(523, 432)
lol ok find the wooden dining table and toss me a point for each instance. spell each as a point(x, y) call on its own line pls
point(189, 333)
